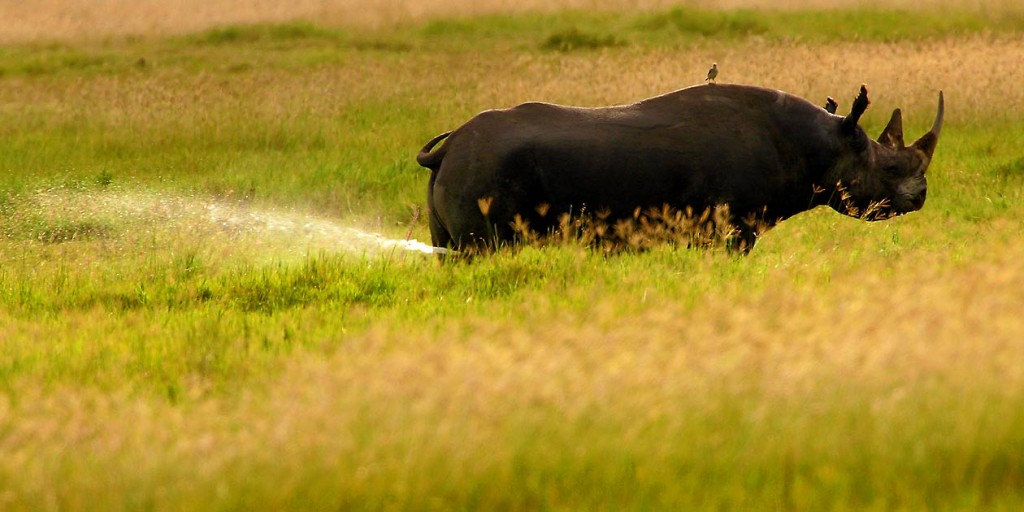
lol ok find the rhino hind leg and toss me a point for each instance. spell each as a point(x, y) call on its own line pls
point(468, 230)
point(439, 236)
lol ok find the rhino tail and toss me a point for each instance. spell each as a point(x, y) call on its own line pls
point(432, 160)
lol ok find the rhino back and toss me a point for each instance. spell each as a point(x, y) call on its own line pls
point(713, 144)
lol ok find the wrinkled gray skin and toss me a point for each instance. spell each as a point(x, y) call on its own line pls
point(766, 154)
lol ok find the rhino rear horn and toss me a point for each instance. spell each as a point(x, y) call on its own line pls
point(859, 106)
point(892, 135)
point(928, 141)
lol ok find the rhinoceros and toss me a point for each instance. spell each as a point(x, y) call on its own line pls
point(763, 154)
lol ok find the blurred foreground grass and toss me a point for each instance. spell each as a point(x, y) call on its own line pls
point(195, 314)
point(694, 380)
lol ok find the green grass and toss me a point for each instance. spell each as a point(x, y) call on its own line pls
point(189, 322)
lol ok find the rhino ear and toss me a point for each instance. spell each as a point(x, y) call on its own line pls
point(860, 104)
point(831, 105)
point(892, 135)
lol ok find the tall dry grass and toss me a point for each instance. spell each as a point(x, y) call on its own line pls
point(75, 19)
point(906, 74)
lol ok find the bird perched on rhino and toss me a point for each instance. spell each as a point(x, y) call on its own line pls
point(712, 73)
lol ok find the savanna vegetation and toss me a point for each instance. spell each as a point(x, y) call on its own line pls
point(203, 305)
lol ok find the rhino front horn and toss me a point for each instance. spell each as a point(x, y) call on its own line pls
point(928, 141)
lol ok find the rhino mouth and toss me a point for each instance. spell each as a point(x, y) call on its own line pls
point(908, 197)
point(916, 201)
point(884, 209)
point(911, 200)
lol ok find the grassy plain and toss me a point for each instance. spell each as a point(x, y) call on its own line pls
point(188, 320)
point(47, 20)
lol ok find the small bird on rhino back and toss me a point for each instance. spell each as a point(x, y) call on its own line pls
point(712, 73)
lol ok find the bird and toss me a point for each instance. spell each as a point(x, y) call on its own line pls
point(712, 73)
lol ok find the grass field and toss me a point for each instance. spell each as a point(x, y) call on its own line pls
point(204, 303)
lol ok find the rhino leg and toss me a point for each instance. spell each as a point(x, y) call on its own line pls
point(741, 242)
point(439, 236)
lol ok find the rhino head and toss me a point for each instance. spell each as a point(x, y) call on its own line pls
point(880, 179)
